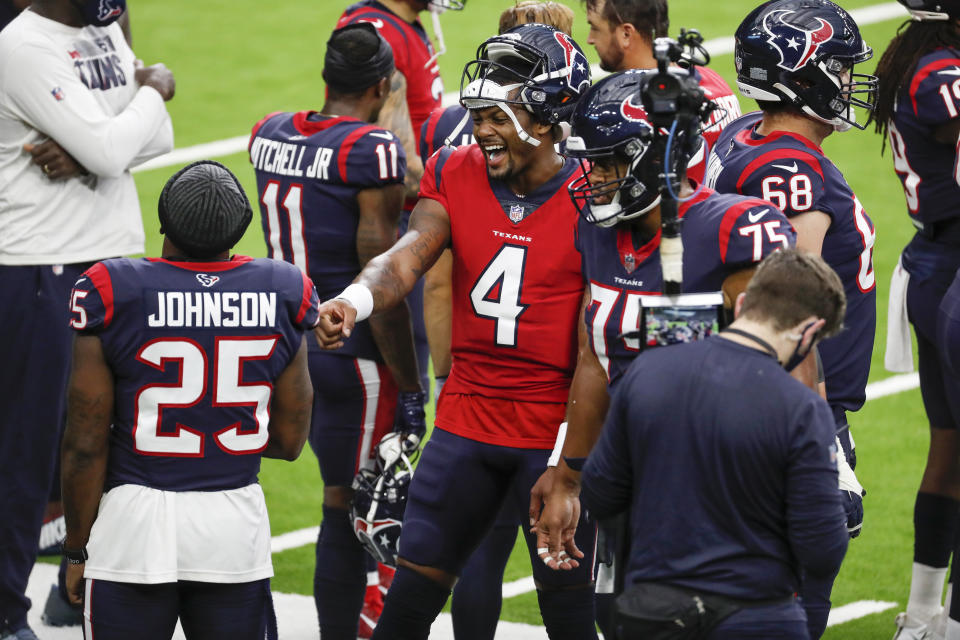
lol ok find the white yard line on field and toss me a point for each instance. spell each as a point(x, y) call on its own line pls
point(297, 615)
point(716, 46)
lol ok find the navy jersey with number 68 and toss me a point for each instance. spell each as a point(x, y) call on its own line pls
point(194, 348)
point(722, 234)
point(309, 170)
point(794, 174)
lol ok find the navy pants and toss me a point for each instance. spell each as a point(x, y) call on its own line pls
point(207, 610)
point(35, 357)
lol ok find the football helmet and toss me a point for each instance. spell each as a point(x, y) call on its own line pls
point(932, 9)
point(802, 52)
point(533, 65)
point(380, 497)
point(611, 125)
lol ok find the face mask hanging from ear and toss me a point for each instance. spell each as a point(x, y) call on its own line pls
point(100, 13)
point(797, 357)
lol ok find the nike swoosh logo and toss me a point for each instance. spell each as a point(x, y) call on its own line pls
point(377, 24)
point(753, 217)
point(955, 71)
point(386, 135)
point(792, 168)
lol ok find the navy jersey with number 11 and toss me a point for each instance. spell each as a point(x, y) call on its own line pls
point(309, 170)
point(794, 174)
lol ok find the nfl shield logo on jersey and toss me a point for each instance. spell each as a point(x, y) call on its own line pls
point(516, 212)
point(207, 281)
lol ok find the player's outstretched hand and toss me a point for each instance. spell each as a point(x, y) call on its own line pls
point(337, 317)
point(54, 161)
point(158, 77)
point(74, 583)
point(556, 523)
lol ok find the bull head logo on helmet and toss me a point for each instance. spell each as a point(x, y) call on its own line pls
point(797, 45)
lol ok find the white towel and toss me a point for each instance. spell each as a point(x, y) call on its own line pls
point(899, 353)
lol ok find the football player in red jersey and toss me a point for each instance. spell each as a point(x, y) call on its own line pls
point(622, 32)
point(501, 206)
point(917, 112)
point(477, 599)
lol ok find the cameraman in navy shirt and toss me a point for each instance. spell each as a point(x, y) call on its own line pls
point(728, 465)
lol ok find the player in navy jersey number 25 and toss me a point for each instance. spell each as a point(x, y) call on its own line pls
point(187, 369)
point(796, 58)
point(501, 206)
point(331, 192)
point(917, 111)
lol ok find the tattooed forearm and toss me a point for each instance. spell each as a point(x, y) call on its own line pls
point(393, 333)
point(395, 116)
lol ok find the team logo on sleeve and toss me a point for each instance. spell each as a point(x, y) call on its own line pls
point(797, 44)
point(207, 280)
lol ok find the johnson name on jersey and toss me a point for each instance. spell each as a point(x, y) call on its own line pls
point(928, 170)
point(309, 170)
point(517, 285)
point(413, 55)
point(793, 173)
point(722, 234)
point(194, 348)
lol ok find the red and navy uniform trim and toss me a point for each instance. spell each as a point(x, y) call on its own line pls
point(100, 277)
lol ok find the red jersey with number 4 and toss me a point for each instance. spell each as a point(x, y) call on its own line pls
point(517, 288)
point(413, 56)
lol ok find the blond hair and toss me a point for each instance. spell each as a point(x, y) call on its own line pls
point(553, 14)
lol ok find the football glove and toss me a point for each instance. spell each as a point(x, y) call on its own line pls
point(851, 494)
point(848, 446)
point(411, 418)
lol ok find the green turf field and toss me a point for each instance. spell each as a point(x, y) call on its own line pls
point(236, 60)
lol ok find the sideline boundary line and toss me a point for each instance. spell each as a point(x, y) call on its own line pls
point(716, 46)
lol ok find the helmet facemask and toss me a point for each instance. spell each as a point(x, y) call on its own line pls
point(628, 193)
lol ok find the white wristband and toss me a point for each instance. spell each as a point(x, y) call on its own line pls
point(554, 458)
point(360, 298)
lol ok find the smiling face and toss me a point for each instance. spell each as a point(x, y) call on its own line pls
point(506, 154)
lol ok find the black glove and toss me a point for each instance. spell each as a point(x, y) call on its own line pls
point(853, 506)
point(411, 418)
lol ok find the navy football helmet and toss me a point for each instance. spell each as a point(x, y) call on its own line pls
point(380, 497)
point(533, 65)
point(932, 9)
point(800, 52)
point(611, 126)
